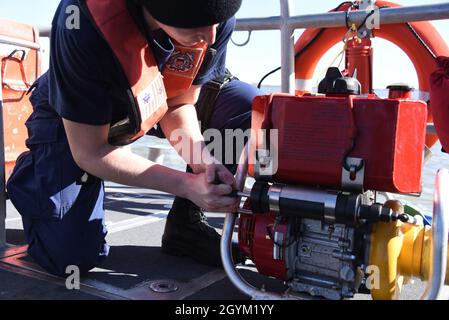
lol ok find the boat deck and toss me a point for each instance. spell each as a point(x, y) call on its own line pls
point(135, 219)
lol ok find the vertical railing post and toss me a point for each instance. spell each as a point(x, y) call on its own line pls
point(2, 175)
point(287, 48)
point(440, 227)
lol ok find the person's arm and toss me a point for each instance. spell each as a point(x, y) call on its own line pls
point(182, 115)
point(180, 126)
point(180, 123)
point(93, 154)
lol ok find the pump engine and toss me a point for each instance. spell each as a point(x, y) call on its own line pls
point(313, 217)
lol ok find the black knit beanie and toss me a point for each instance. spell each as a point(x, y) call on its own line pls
point(191, 13)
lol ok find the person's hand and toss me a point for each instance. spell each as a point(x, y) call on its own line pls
point(209, 189)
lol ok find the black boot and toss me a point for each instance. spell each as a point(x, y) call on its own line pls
point(187, 233)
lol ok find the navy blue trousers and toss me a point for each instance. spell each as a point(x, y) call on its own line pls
point(62, 213)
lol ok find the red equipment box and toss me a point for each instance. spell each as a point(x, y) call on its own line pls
point(315, 134)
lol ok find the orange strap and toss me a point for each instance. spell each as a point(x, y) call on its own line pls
point(12, 57)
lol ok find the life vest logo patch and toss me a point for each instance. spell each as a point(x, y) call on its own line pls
point(181, 62)
point(185, 61)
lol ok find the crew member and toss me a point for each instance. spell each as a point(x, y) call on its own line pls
point(131, 65)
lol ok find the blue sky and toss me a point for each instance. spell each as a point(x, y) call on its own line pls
point(262, 54)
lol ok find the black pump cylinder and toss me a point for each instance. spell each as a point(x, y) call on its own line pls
point(316, 204)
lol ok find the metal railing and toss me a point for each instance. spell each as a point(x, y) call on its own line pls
point(44, 31)
point(2, 176)
point(438, 11)
point(287, 24)
point(440, 227)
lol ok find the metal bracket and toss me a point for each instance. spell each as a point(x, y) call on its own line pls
point(163, 286)
point(364, 33)
point(370, 8)
point(365, 4)
point(353, 180)
point(274, 196)
point(263, 168)
point(243, 43)
point(277, 250)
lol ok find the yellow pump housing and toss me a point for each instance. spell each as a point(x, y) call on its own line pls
point(399, 251)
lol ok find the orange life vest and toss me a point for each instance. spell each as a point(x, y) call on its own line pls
point(147, 88)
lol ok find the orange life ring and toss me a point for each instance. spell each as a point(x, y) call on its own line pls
point(314, 46)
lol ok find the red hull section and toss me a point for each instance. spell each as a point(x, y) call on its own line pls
point(20, 67)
